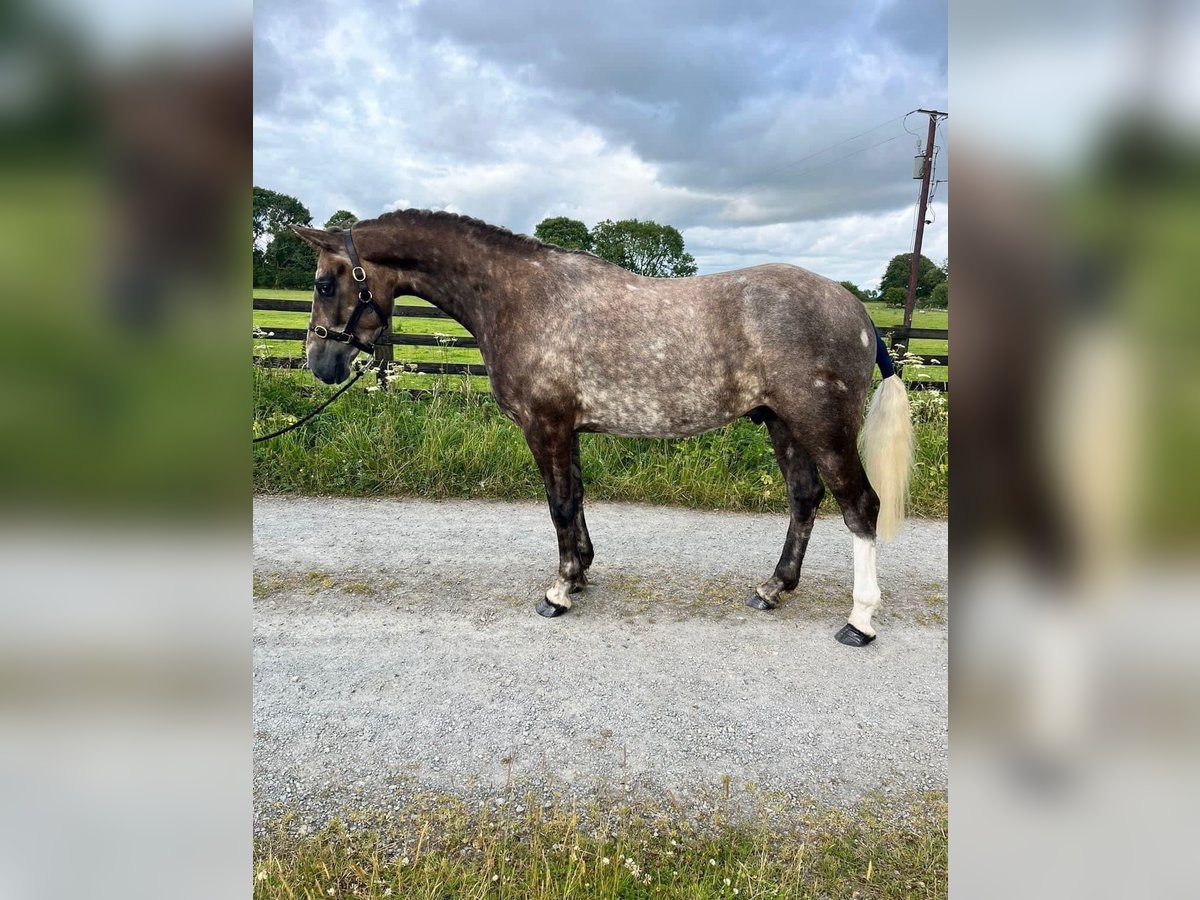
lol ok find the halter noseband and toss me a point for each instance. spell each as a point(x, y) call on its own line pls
point(366, 300)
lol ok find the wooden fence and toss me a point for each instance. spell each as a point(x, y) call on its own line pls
point(385, 347)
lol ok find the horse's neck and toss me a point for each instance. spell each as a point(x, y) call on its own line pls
point(446, 273)
point(451, 292)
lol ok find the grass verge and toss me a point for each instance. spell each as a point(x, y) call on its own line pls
point(454, 442)
point(437, 847)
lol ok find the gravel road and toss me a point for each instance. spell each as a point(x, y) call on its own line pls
point(396, 650)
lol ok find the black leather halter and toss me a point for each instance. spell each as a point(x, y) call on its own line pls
point(366, 300)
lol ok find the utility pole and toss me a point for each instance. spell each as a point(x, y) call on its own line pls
point(926, 174)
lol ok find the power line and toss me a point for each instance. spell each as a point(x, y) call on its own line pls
point(904, 124)
point(815, 168)
point(728, 195)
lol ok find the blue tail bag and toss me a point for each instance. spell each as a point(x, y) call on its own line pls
point(882, 358)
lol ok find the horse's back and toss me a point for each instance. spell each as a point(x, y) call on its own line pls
point(788, 318)
point(678, 356)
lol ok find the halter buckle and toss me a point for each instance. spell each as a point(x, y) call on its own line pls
point(358, 273)
point(321, 331)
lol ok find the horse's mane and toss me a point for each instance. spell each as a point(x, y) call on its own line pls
point(492, 234)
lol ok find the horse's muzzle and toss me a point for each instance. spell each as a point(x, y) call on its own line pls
point(331, 368)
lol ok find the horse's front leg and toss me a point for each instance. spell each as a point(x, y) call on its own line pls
point(551, 445)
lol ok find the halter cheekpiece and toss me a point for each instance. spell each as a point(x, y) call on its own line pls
point(366, 300)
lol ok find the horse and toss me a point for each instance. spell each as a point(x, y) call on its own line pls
point(573, 343)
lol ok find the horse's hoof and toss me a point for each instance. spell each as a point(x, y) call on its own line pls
point(549, 610)
point(756, 601)
point(852, 637)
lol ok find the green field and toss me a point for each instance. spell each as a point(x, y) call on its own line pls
point(400, 324)
point(885, 317)
point(880, 314)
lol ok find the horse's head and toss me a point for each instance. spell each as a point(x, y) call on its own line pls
point(352, 304)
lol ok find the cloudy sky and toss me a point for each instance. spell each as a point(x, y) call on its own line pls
point(763, 130)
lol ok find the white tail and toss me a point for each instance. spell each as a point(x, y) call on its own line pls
point(886, 442)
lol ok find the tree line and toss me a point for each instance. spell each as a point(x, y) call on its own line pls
point(933, 284)
point(283, 261)
point(646, 248)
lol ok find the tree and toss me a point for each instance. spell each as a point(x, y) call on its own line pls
point(564, 232)
point(343, 219)
point(646, 248)
point(273, 212)
point(940, 298)
point(895, 297)
point(288, 262)
point(278, 255)
point(855, 290)
point(929, 276)
point(928, 279)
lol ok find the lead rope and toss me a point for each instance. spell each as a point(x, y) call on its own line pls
point(345, 387)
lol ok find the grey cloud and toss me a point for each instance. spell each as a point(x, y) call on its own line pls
point(269, 76)
point(512, 111)
point(688, 95)
point(917, 26)
point(651, 76)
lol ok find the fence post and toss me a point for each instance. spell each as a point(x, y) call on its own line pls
point(384, 354)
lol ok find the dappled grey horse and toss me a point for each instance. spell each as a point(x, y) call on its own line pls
point(573, 343)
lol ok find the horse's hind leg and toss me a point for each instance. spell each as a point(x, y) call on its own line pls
point(804, 496)
point(583, 539)
point(551, 445)
point(834, 448)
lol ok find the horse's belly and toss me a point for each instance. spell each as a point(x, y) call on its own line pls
point(644, 425)
point(664, 410)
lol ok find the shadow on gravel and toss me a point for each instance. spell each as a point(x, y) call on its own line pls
point(631, 598)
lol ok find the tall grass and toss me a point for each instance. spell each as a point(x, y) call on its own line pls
point(453, 441)
point(441, 848)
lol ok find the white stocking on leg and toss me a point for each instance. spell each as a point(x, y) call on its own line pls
point(866, 587)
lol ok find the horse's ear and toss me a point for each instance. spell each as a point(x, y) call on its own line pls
point(319, 238)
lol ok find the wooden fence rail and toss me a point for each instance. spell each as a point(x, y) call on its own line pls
point(384, 351)
point(396, 338)
point(305, 306)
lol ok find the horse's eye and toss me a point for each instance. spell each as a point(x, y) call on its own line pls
point(326, 288)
